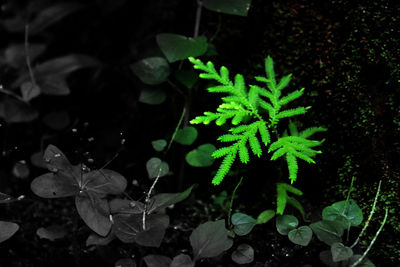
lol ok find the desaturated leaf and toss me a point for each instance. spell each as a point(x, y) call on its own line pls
point(286, 223)
point(29, 91)
point(55, 160)
point(243, 223)
point(153, 96)
point(4, 198)
point(178, 47)
point(97, 240)
point(364, 263)
point(52, 232)
point(52, 185)
point(7, 230)
point(125, 206)
point(243, 254)
point(104, 182)
point(301, 236)
point(326, 257)
point(210, 239)
point(340, 252)
point(57, 120)
point(15, 55)
point(37, 160)
point(186, 136)
point(152, 70)
point(156, 167)
point(125, 263)
point(51, 15)
point(201, 156)
point(15, 111)
point(21, 170)
point(154, 260)
point(159, 144)
point(126, 227)
point(164, 200)
point(54, 85)
point(327, 231)
point(182, 260)
point(95, 213)
point(232, 7)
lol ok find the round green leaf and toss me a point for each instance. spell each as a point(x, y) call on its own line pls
point(265, 216)
point(201, 156)
point(7, 230)
point(340, 252)
point(152, 70)
point(178, 47)
point(243, 223)
point(232, 7)
point(353, 213)
point(159, 144)
point(186, 136)
point(243, 254)
point(301, 236)
point(286, 223)
point(156, 167)
point(153, 96)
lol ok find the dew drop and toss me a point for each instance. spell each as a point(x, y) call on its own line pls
point(57, 155)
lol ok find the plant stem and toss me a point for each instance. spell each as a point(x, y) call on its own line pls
point(198, 18)
point(231, 202)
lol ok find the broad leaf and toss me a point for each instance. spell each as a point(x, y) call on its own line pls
point(152, 70)
point(104, 182)
point(327, 231)
point(340, 252)
point(15, 111)
point(154, 260)
point(353, 213)
point(243, 254)
point(182, 260)
point(94, 212)
point(52, 232)
point(125, 206)
point(97, 240)
point(210, 239)
point(286, 223)
point(186, 77)
point(159, 144)
point(186, 136)
point(178, 47)
point(301, 236)
point(243, 223)
point(201, 156)
point(54, 185)
point(232, 7)
point(326, 257)
point(156, 168)
point(164, 200)
point(7, 230)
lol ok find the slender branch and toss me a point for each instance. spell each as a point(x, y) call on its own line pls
point(6, 92)
point(370, 215)
point(28, 60)
point(231, 202)
point(372, 242)
point(198, 18)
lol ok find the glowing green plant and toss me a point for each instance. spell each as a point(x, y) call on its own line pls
point(254, 113)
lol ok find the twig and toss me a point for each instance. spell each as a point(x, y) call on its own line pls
point(231, 202)
point(198, 18)
point(28, 59)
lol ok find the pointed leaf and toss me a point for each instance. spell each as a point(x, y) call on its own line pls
point(7, 230)
point(182, 260)
point(164, 200)
point(210, 239)
point(55, 160)
point(232, 7)
point(186, 77)
point(265, 216)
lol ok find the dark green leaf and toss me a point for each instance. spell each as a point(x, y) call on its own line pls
point(243, 254)
point(156, 167)
point(327, 231)
point(153, 260)
point(178, 47)
point(29, 91)
point(286, 223)
point(364, 263)
point(7, 230)
point(210, 239)
point(95, 213)
point(152, 70)
point(15, 55)
point(301, 236)
point(182, 260)
point(326, 257)
point(340, 252)
point(353, 213)
point(186, 136)
point(201, 156)
point(21, 170)
point(152, 96)
point(232, 7)
point(243, 223)
point(186, 77)
point(125, 206)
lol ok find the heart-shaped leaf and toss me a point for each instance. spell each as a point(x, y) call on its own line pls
point(326, 257)
point(95, 213)
point(210, 239)
point(156, 168)
point(159, 144)
point(340, 252)
point(232, 7)
point(164, 200)
point(301, 236)
point(152, 70)
point(243, 254)
point(178, 47)
point(243, 223)
point(154, 260)
point(327, 231)
point(7, 230)
point(52, 232)
point(351, 211)
point(286, 223)
point(186, 136)
point(182, 260)
point(201, 156)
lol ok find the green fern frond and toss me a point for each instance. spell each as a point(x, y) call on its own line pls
point(282, 198)
point(224, 167)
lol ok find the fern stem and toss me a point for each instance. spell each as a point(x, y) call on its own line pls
point(231, 202)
